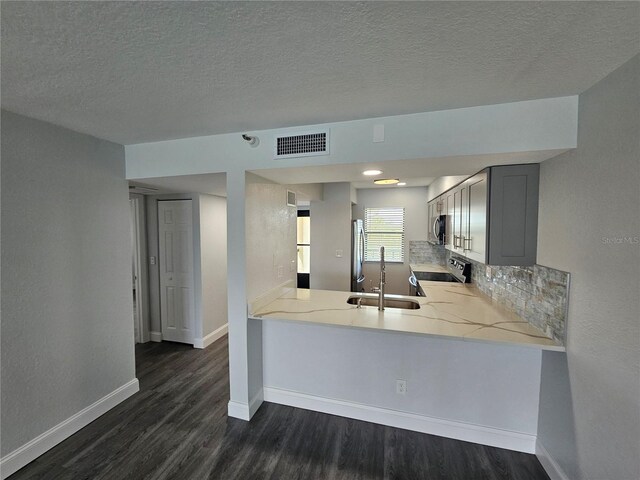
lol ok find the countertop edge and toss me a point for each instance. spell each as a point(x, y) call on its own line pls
point(535, 346)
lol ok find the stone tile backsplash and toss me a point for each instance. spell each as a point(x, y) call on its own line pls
point(423, 252)
point(538, 294)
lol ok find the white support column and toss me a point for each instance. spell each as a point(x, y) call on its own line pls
point(237, 296)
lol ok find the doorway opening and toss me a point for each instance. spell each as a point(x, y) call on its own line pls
point(304, 248)
point(138, 270)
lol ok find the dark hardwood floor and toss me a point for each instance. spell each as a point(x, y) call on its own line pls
point(177, 427)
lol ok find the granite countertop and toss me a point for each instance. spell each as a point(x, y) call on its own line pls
point(427, 267)
point(449, 310)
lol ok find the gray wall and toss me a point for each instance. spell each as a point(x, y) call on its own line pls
point(67, 308)
point(331, 231)
point(414, 201)
point(213, 258)
point(589, 201)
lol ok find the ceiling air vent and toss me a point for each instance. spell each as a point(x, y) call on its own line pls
point(305, 144)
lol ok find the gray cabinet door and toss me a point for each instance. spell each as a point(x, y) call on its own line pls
point(457, 219)
point(513, 214)
point(475, 242)
point(464, 216)
point(449, 212)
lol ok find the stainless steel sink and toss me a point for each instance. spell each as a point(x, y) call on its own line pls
point(390, 301)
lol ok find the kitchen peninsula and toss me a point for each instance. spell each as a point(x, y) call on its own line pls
point(450, 310)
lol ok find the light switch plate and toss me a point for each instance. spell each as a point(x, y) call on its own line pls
point(339, 253)
point(152, 260)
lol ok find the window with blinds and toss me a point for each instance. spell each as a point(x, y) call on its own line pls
point(384, 227)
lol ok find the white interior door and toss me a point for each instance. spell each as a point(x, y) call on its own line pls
point(177, 301)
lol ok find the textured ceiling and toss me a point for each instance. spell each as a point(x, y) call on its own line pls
point(136, 72)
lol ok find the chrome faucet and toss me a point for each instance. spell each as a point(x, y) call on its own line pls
point(382, 281)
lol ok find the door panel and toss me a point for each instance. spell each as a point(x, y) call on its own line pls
point(464, 216)
point(476, 244)
point(457, 219)
point(177, 301)
point(449, 211)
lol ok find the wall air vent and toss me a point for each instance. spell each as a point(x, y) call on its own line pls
point(304, 144)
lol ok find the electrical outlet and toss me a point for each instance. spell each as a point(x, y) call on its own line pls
point(280, 271)
point(487, 272)
point(401, 387)
point(339, 253)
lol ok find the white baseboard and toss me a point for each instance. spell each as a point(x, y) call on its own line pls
point(25, 454)
point(255, 403)
point(238, 410)
point(155, 336)
point(467, 432)
point(212, 337)
point(550, 466)
point(244, 411)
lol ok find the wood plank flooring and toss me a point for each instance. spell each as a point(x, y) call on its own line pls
point(177, 427)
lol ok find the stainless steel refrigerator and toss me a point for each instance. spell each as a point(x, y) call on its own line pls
point(357, 256)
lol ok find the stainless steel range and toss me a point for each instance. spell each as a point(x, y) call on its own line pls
point(458, 271)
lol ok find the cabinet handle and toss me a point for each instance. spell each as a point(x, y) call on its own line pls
point(466, 241)
point(455, 241)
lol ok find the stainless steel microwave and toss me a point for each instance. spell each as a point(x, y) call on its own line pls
point(437, 230)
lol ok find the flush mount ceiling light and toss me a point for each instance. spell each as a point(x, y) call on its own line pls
point(372, 173)
point(386, 181)
point(402, 184)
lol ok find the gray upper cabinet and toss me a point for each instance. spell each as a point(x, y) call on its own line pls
point(449, 211)
point(494, 216)
point(474, 244)
point(513, 214)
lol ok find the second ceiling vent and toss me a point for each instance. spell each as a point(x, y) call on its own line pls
point(302, 145)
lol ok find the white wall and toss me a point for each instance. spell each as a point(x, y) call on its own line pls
point(442, 184)
point(590, 398)
point(331, 231)
point(213, 258)
point(271, 227)
point(545, 124)
point(490, 385)
point(414, 200)
point(271, 256)
point(67, 307)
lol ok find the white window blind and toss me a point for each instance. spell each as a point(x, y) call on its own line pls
point(384, 227)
